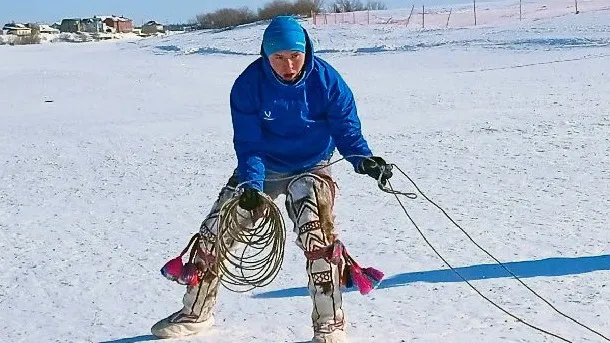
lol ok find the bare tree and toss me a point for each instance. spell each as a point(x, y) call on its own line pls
point(340, 6)
point(306, 7)
point(319, 4)
point(275, 8)
point(32, 38)
point(286, 7)
point(226, 17)
point(376, 6)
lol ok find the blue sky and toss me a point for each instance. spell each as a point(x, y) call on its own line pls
point(141, 10)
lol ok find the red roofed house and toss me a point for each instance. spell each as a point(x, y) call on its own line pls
point(118, 24)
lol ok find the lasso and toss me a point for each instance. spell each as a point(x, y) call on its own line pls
point(249, 248)
point(266, 241)
point(261, 234)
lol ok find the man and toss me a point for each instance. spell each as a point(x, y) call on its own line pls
point(290, 110)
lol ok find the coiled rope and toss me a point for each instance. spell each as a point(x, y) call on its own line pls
point(250, 246)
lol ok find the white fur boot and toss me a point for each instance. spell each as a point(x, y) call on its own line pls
point(176, 326)
point(196, 316)
point(337, 336)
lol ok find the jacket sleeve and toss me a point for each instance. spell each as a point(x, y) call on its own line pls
point(247, 137)
point(344, 122)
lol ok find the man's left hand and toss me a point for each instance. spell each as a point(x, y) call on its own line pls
point(375, 167)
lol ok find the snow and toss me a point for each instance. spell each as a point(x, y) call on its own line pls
point(112, 154)
point(72, 37)
point(505, 30)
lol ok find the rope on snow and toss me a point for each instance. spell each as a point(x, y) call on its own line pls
point(390, 190)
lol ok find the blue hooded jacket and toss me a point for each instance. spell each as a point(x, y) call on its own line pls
point(290, 128)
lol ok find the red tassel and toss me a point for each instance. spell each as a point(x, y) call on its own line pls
point(190, 274)
point(187, 274)
point(172, 270)
point(346, 278)
point(360, 280)
point(374, 275)
point(337, 252)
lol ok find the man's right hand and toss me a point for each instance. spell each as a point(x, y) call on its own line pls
point(250, 198)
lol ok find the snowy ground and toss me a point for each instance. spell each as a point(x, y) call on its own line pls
point(67, 37)
point(590, 31)
point(112, 154)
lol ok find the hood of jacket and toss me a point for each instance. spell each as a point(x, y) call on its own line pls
point(308, 66)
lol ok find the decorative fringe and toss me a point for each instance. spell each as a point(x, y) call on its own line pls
point(352, 275)
point(362, 282)
point(346, 279)
point(172, 268)
point(187, 274)
point(190, 274)
point(376, 276)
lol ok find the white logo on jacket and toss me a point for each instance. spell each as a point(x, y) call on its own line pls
point(267, 115)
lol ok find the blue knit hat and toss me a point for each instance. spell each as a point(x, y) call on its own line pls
point(283, 33)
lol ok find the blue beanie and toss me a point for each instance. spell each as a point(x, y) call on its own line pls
point(283, 33)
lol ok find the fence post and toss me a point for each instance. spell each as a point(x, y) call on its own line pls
point(313, 17)
point(520, 9)
point(368, 17)
point(449, 17)
point(410, 14)
point(423, 16)
point(354, 17)
point(576, 3)
point(474, 5)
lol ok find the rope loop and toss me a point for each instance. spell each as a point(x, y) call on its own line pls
point(250, 245)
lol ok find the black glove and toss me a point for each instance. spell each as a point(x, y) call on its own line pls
point(375, 167)
point(250, 198)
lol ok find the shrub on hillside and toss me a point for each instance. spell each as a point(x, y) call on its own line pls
point(306, 7)
point(33, 38)
point(376, 6)
point(226, 17)
point(286, 7)
point(340, 6)
point(275, 8)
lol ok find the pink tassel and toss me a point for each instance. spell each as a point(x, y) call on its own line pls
point(346, 278)
point(374, 275)
point(360, 280)
point(190, 274)
point(187, 274)
point(337, 252)
point(172, 270)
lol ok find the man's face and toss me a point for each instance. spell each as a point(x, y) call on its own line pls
point(287, 64)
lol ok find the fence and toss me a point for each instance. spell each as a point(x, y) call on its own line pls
point(419, 16)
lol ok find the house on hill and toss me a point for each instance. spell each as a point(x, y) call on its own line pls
point(17, 29)
point(115, 24)
point(42, 28)
point(71, 25)
point(152, 27)
point(92, 25)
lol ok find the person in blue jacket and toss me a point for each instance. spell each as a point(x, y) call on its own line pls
point(290, 110)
